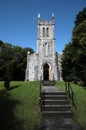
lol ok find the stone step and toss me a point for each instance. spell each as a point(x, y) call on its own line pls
point(57, 114)
point(60, 124)
point(54, 93)
point(54, 102)
point(48, 83)
point(64, 97)
point(56, 107)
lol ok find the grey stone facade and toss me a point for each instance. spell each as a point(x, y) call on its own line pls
point(45, 63)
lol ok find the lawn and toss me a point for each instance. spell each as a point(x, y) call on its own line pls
point(19, 107)
point(80, 101)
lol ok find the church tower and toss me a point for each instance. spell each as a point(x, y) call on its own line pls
point(46, 39)
point(46, 48)
point(44, 63)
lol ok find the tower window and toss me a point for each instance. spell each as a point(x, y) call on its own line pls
point(45, 43)
point(47, 32)
point(43, 32)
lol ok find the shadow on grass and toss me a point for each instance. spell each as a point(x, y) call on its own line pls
point(8, 121)
point(84, 88)
point(14, 87)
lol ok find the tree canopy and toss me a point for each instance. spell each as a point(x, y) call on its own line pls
point(13, 60)
point(74, 54)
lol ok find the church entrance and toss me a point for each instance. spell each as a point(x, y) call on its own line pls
point(46, 72)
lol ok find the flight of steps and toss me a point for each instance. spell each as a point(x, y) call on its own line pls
point(56, 109)
point(55, 104)
point(48, 83)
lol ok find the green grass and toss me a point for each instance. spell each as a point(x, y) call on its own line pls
point(80, 101)
point(19, 107)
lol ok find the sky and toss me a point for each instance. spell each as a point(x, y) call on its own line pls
point(18, 20)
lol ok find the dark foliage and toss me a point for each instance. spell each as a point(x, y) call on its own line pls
point(74, 54)
point(7, 84)
point(13, 60)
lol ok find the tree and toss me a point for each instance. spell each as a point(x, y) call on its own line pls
point(1, 44)
point(67, 65)
point(74, 54)
point(6, 57)
point(79, 37)
point(13, 61)
point(80, 17)
point(20, 61)
point(1, 71)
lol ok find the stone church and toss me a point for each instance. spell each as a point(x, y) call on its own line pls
point(45, 63)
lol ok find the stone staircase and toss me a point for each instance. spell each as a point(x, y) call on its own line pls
point(55, 104)
point(55, 109)
point(48, 83)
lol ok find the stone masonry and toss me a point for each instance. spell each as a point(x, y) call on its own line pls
point(45, 63)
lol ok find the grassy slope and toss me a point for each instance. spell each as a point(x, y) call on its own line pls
point(19, 107)
point(80, 100)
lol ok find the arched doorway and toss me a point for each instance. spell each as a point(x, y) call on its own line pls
point(46, 72)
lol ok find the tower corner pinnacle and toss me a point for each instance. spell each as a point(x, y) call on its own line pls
point(52, 15)
point(53, 18)
point(38, 15)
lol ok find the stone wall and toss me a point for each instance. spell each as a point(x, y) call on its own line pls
point(46, 54)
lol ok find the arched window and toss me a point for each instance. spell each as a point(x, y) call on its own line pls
point(43, 32)
point(47, 32)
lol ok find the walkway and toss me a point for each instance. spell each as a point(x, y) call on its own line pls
point(56, 111)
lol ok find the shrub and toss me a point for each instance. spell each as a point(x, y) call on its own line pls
point(7, 83)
